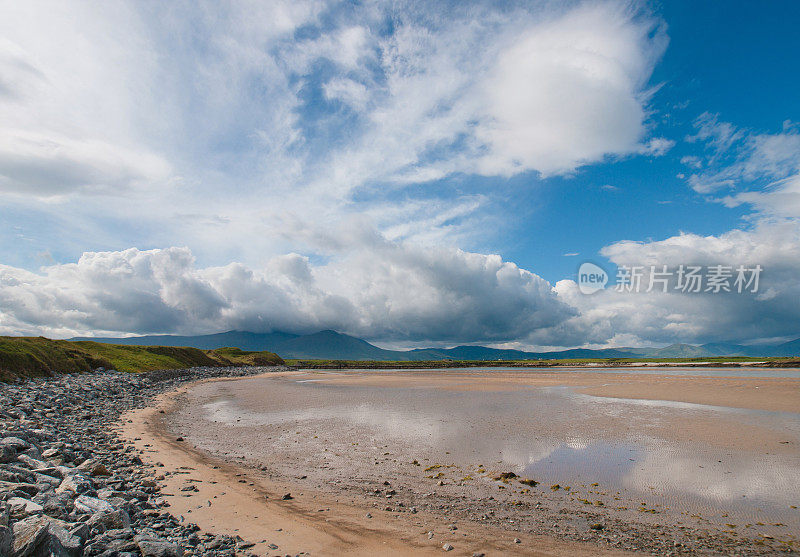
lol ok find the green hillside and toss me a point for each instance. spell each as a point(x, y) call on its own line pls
point(39, 356)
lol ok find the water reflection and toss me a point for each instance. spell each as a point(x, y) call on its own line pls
point(550, 434)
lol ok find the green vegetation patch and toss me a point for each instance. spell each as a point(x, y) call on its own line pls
point(41, 357)
point(131, 358)
point(237, 357)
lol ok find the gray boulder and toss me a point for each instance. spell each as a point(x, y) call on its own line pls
point(33, 463)
point(57, 505)
point(110, 520)
point(19, 488)
point(50, 453)
point(92, 505)
point(19, 470)
point(71, 544)
point(46, 480)
point(42, 537)
point(23, 507)
point(113, 548)
point(80, 530)
point(106, 493)
point(156, 547)
point(52, 471)
point(75, 483)
point(15, 443)
point(33, 453)
point(6, 540)
point(7, 454)
point(31, 537)
point(87, 465)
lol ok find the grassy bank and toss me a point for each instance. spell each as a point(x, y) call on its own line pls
point(39, 356)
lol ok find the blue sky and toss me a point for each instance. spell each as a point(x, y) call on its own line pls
point(412, 173)
point(726, 58)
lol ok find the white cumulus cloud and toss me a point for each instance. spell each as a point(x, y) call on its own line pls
point(380, 289)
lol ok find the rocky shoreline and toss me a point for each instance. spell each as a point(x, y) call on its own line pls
point(70, 487)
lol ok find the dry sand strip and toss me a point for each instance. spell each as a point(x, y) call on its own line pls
point(234, 501)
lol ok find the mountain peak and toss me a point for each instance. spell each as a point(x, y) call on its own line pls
point(333, 345)
point(328, 332)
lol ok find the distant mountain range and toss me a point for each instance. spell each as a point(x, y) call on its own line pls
point(330, 345)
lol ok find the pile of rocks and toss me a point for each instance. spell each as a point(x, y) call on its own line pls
point(69, 487)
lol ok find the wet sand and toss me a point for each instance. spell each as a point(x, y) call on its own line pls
point(714, 467)
point(775, 394)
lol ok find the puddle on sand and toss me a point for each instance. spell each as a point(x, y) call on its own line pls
point(687, 478)
point(553, 435)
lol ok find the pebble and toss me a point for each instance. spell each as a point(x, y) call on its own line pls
point(69, 487)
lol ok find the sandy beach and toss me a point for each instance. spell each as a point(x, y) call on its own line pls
point(407, 462)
